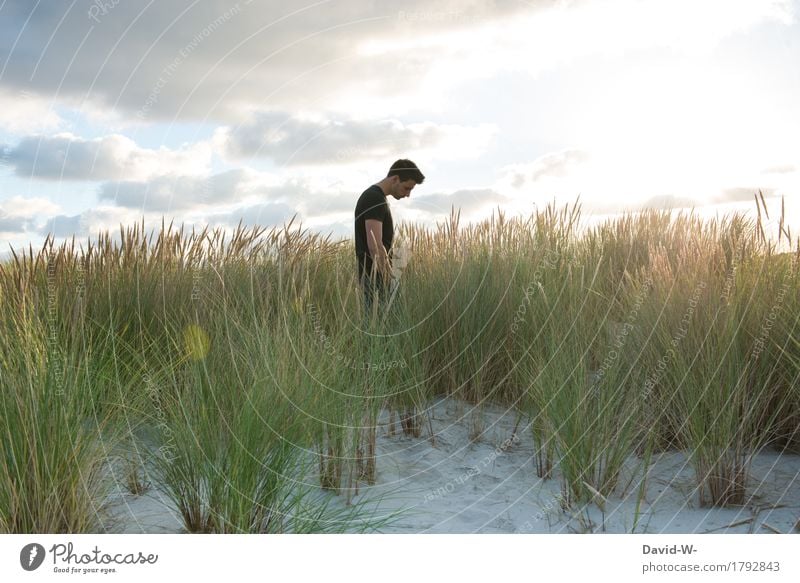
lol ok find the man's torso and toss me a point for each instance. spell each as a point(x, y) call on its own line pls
point(371, 205)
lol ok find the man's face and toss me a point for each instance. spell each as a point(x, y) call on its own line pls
point(403, 189)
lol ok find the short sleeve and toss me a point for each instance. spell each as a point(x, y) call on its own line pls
point(374, 206)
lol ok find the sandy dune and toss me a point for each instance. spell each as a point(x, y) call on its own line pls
point(451, 484)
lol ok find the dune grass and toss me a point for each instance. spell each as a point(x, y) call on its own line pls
point(56, 431)
point(245, 369)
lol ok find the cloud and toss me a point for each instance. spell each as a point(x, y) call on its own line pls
point(65, 226)
point(23, 112)
point(337, 231)
point(269, 214)
point(219, 60)
point(781, 169)
point(248, 188)
point(19, 206)
point(741, 194)
point(13, 225)
point(68, 157)
point(17, 214)
point(295, 141)
point(467, 200)
point(102, 218)
point(175, 192)
point(669, 201)
point(192, 59)
point(88, 224)
point(560, 34)
point(554, 165)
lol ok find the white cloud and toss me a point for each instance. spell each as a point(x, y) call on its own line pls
point(65, 226)
point(781, 169)
point(88, 224)
point(64, 156)
point(108, 219)
point(743, 193)
point(10, 226)
point(669, 201)
point(92, 221)
point(293, 141)
point(561, 35)
point(539, 40)
point(472, 203)
point(220, 60)
point(22, 112)
point(313, 194)
point(20, 206)
point(269, 214)
point(562, 164)
point(17, 214)
point(175, 192)
point(320, 90)
point(196, 59)
point(562, 175)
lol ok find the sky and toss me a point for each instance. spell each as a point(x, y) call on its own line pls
point(210, 113)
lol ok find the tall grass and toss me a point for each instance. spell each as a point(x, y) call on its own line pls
point(247, 357)
point(721, 387)
point(54, 439)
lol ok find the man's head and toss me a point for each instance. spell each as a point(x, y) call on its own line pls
point(403, 176)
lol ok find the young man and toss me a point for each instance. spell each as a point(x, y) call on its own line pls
point(375, 229)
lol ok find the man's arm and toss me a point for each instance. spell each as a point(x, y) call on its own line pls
point(380, 259)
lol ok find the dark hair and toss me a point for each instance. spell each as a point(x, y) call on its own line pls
point(406, 170)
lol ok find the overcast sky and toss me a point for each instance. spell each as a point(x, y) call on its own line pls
point(212, 111)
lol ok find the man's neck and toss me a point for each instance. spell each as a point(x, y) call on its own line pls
point(382, 185)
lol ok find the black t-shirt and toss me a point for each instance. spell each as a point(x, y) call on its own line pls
point(371, 205)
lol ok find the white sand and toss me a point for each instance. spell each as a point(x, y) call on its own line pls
point(453, 485)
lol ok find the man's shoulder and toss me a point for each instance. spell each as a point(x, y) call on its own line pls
point(371, 197)
point(373, 191)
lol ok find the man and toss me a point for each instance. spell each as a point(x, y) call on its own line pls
point(375, 229)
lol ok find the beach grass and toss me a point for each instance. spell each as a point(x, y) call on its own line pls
point(244, 367)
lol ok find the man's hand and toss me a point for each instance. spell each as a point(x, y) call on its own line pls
point(380, 258)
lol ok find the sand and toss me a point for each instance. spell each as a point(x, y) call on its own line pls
point(488, 484)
